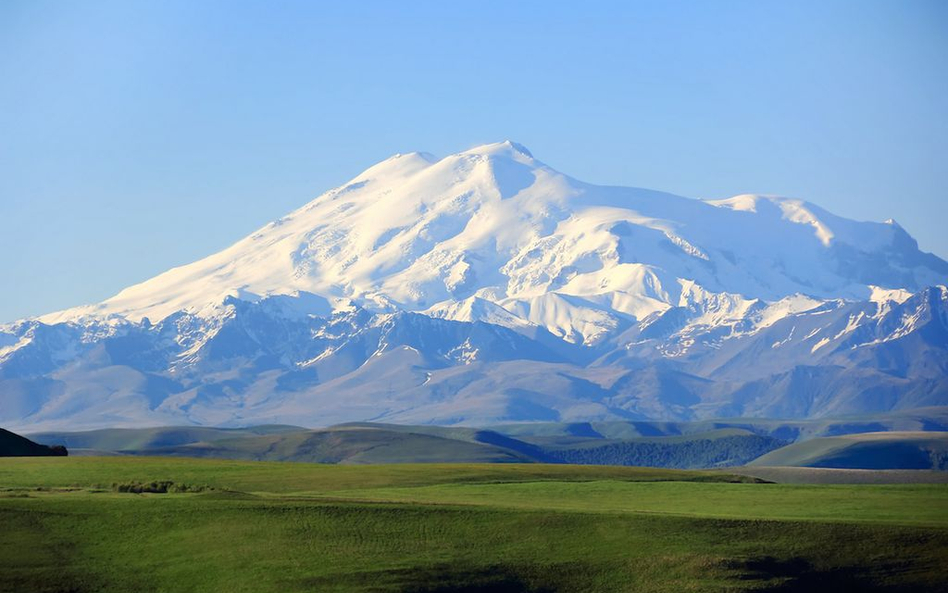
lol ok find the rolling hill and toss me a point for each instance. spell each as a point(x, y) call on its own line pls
point(115, 440)
point(876, 450)
point(904, 440)
point(366, 443)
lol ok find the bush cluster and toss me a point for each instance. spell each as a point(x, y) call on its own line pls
point(156, 487)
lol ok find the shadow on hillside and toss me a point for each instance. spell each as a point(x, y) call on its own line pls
point(797, 574)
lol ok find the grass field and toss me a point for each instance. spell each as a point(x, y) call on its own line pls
point(302, 527)
point(829, 475)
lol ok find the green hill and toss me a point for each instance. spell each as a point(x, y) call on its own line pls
point(130, 439)
point(878, 450)
point(14, 445)
point(905, 440)
point(346, 444)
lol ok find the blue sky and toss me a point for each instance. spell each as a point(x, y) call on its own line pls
point(137, 136)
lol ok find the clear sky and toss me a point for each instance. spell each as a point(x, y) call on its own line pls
point(138, 136)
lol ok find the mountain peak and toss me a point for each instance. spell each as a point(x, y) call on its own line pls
point(507, 148)
point(415, 232)
point(453, 285)
point(402, 165)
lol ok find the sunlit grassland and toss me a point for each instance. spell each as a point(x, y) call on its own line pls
point(304, 527)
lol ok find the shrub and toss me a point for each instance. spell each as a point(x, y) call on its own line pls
point(157, 487)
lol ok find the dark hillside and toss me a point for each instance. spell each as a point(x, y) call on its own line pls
point(13, 445)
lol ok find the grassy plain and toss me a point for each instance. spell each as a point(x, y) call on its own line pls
point(304, 527)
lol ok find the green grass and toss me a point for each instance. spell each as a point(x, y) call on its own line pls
point(299, 527)
point(915, 504)
point(281, 477)
point(824, 475)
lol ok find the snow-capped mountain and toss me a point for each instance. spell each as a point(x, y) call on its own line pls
point(486, 286)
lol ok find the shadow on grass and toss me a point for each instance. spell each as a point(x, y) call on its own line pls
point(761, 574)
point(445, 578)
point(798, 574)
point(479, 580)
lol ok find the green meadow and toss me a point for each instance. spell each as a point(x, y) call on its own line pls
point(270, 526)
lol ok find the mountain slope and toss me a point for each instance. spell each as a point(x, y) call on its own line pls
point(487, 287)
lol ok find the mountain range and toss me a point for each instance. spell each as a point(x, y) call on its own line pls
point(486, 287)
